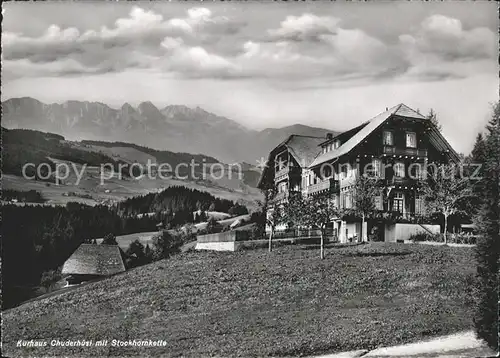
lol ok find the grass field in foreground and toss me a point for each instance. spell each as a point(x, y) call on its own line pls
point(255, 303)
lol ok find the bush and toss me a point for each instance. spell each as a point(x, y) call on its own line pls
point(49, 278)
point(424, 236)
point(463, 239)
point(109, 239)
point(136, 255)
point(237, 210)
point(166, 244)
point(213, 226)
point(258, 232)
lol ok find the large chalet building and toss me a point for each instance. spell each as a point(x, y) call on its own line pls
point(394, 146)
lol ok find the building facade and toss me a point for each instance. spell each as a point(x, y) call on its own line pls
point(396, 147)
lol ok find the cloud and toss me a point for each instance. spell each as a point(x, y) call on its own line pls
point(195, 61)
point(307, 27)
point(133, 41)
point(313, 46)
point(201, 44)
point(445, 37)
point(441, 48)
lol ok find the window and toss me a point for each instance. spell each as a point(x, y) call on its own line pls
point(336, 144)
point(416, 170)
point(348, 200)
point(398, 202)
point(419, 204)
point(343, 170)
point(388, 139)
point(282, 187)
point(411, 140)
point(330, 147)
point(399, 170)
point(375, 167)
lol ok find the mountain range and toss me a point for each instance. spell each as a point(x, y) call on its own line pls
point(175, 128)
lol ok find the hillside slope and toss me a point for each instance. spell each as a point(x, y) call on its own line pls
point(30, 146)
point(255, 303)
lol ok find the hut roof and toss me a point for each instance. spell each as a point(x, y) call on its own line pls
point(91, 259)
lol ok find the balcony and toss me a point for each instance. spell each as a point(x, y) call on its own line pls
point(283, 196)
point(285, 172)
point(414, 152)
point(281, 173)
point(402, 182)
point(330, 185)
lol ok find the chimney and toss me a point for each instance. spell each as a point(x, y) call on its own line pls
point(329, 136)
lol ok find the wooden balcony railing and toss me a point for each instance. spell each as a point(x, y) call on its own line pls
point(284, 195)
point(286, 172)
point(282, 172)
point(404, 151)
point(330, 185)
point(399, 181)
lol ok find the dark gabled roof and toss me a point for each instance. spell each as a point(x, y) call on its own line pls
point(344, 136)
point(402, 110)
point(91, 259)
point(303, 148)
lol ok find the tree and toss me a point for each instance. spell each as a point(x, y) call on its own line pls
point(274, 216)
point(135, 253)
point(213, 226)
point(148, 254)
point(479, 152)
point(109, 239)
point(312, 211)
point(49, 278)
point(432, 117)
point(446, 192)
point(479, 156)
point(364, 192)
point(166, 244)
point(238, 210)
point(271, 212)
point(488, 245)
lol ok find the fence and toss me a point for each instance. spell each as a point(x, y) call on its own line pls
point(330, 234)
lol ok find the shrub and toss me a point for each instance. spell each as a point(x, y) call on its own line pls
point(135, 254)
point(166, 244)
point(463, 239)
point(109, 239)
point(425, 236)
point(237, 210)
point(49, 278)
point(258, 232)
point(213, 226)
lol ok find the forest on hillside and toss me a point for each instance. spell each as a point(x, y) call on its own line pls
point(22, 146)
point(162, 156)
point(172, 200)
point(39, 238)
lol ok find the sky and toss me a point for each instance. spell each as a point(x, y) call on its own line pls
point(262, 64)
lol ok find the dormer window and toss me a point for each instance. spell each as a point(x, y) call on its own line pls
point(388, 138)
